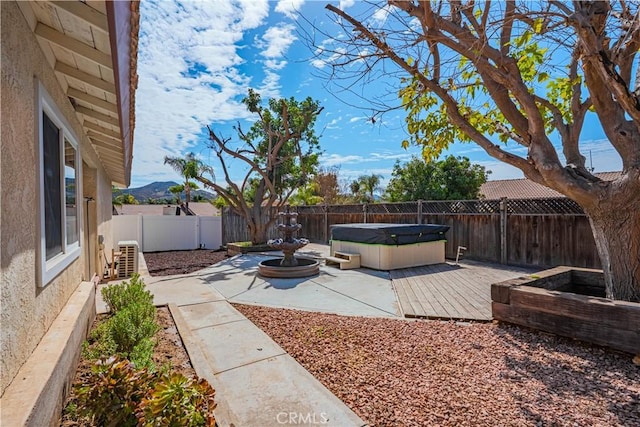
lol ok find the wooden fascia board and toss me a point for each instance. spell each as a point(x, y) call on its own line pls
point(76, 46)
point(122, 17)
point(84, 12)
point(94, 81)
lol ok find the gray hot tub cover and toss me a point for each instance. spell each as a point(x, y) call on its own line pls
point(388, 234)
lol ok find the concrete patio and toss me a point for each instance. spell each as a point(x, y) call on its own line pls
point(228, 350)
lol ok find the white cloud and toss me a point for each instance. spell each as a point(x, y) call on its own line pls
point(274, 64)
point(188, 76)
point(355, 119)
point(276, 40)
point(320, 61)
point(334, 159)
point(602, 155)
point(289, 8)
point(329, 160)
point(270, 87)
point(500, 170)
point(332, 124)
point(388, 155)
point(345, 4)
point(379, 17)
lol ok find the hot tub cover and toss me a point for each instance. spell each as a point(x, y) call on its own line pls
point(388, 234)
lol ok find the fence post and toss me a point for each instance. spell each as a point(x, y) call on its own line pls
point(364, 212)
point(139, 233)
point(503, 230)
point(223, 219)
point(198, 231)
point(419, 211)
point(325, 208)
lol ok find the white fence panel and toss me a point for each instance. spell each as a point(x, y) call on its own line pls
point(156, 233)
point(127, 227)
point(210, 231)
point(169, 233)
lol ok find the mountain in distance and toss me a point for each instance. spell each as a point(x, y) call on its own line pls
point(160, 190)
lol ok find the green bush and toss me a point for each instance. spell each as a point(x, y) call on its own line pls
point(100, 343)
point(130, 330)
point(132, 324)
point(142, 354)
point(121, 295)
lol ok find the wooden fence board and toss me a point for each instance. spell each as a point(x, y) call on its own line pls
point(552, 234)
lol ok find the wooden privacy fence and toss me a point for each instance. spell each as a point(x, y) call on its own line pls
point(532, 232)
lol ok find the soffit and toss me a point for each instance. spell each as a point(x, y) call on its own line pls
point(75, 38)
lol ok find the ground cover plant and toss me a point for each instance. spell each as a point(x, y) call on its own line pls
point(124, 381)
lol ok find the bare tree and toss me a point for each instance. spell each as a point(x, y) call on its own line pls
point(327, 180)
point(281, 154)
point(509, 76)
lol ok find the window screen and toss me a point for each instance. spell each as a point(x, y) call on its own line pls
point(52, 190)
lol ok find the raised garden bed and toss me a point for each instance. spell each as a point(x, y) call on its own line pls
point(236, 248)
point(569, 301)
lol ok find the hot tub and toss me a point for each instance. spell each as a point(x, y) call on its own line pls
point(391, 246)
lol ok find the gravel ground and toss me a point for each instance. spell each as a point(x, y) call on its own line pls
point(181, 262)
point(419, 373)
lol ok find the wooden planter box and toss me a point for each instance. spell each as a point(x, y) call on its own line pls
point(235, 248)
point(569, 301)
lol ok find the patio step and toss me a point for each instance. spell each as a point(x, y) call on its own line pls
point(345, 260)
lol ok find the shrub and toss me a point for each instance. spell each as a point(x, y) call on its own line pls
point(121, 295)
point(121, 392)
point(142, 354)
point(130, 329)
point(132, 324)
point(178, 401)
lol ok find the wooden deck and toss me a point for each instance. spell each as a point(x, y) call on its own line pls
point(449, 291)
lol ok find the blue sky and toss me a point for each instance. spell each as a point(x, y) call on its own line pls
point(198, 58)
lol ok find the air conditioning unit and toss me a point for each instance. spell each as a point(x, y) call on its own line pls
point(128, 262)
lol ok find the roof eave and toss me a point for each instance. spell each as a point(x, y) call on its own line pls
point(123, 20)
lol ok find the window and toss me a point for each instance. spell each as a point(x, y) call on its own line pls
point(59, 191)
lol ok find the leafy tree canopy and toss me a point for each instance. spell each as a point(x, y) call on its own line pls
point(453, 178)
point(364, 188)
point(517, 78)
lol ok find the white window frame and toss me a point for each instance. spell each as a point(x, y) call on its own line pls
point(49, 269)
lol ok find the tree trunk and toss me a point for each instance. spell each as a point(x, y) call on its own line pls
point(615, 222)
point(258, 234)
point(257, 226)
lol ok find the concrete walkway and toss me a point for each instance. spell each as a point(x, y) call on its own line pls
point(257, 383)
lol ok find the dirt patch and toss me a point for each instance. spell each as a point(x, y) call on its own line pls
point(419, 373)
point(169, 349)
point(181, 262)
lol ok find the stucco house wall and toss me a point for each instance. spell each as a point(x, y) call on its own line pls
point(26, 309)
